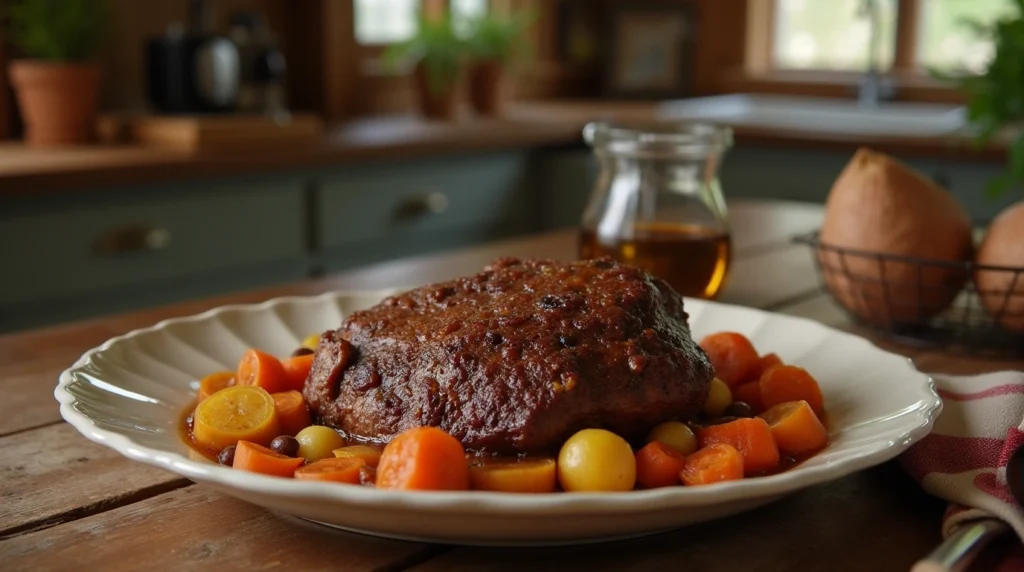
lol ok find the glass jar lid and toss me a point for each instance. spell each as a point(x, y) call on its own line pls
point(658, 140)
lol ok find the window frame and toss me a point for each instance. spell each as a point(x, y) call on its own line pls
point(757, 72)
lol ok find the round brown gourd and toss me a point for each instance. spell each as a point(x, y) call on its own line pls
point(879, 205)
point(1003, 246)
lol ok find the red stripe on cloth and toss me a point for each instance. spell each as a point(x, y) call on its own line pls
point(987, 483)
point(998, 390)
point(1014, 440)
point(949, 454)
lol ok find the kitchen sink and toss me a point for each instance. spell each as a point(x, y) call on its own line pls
point(817, 114)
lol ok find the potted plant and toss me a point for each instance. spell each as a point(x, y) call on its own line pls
point(495, 42)
point(436, 54)
point(55, 78)
point(995, 98)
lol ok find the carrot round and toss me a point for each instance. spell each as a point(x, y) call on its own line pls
point(795, 427)
point(292, 412)
point(423, 458)
point(713, 464)
point(296, 370)
point(751, 437)
point(259, 459)
point(765, 362)
point(334, 469)
point(518, 476)
point(732, 355)
point(658, 465)
point(262, 370)
point(784, 383)
point(215, 382)
point(750, 393)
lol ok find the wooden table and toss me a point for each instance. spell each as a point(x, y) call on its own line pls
point(70, 504)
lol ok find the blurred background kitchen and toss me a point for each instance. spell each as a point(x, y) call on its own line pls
point(188, 148)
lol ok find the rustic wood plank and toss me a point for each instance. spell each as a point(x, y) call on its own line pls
point(874, 520)
point(53, 474)
point(198, 529)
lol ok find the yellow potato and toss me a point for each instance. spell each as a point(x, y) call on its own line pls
point(311, 341)
point(719, 398)
point(596, 460)
point(676, 435)
point(233, 414)
point(318, 442)
point(527, 476)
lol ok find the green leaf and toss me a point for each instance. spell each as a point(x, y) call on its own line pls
point(57, 30)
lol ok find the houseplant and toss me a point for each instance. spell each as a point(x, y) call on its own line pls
point(56, 80)
point(495, 42)
point(436, 54)
point(995, 98)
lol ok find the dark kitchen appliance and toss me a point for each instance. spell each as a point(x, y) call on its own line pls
point(192, 69)
point(263, 88)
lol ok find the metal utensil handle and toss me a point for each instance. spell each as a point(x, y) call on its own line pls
point(956, 553)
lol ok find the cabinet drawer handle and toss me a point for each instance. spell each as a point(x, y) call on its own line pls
point(137, 238)
point(429, 203)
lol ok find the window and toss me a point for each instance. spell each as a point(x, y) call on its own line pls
point(945, 43)
point(385, 21)
point(381, 22)
point(464, 12)
point(839, 35)
point(831, 34)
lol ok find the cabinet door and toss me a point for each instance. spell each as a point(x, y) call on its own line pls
point(567, 176)
point(781, 173)
point(59, 249)
point(391, 210)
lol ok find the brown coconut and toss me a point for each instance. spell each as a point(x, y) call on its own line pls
point(1001, 293)
point(880, 205)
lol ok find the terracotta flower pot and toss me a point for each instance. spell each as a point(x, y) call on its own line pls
point(58, 101)
point(434, 105)
point(487, 87)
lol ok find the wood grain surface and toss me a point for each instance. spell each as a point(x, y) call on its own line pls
point(68, 503)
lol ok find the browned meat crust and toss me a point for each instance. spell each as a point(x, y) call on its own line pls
point(514, 359)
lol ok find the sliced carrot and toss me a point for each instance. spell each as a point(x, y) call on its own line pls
point(765, 362)
point(751, 437)
point(292, 412)
point(732, 355)
point(233, 414)
point(423, 458)
point(797, 430)
point(369, 454)
point(262, 370)
point(215, 382)
point(750, 393)
point(517, 476)
point(658, 465)
point(713, 464)
point(296, 370)
point(784, 383)
point(259, 459)
point(335, 469)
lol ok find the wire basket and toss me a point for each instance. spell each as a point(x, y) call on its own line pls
point(929, 303)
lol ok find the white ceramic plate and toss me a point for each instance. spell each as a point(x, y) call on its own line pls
point(130, 393)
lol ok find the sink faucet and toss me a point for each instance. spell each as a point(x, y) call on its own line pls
point(874, 87)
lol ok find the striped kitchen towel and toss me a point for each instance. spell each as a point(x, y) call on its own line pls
point(964, 459)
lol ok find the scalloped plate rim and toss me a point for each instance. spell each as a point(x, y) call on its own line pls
point(855, 459)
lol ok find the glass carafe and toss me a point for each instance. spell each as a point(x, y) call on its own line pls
point(657, 203)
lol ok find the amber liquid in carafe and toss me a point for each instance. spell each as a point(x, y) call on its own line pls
point(694, 260)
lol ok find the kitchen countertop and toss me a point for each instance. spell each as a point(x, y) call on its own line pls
point(70, 503)
point(534, 124)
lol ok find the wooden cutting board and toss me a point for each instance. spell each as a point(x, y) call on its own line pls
point(193, 132)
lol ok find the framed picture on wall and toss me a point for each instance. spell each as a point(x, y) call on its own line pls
point(650, 49)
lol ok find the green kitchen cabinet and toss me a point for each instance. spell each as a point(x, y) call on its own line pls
point(91, 252)
point(383, 211)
